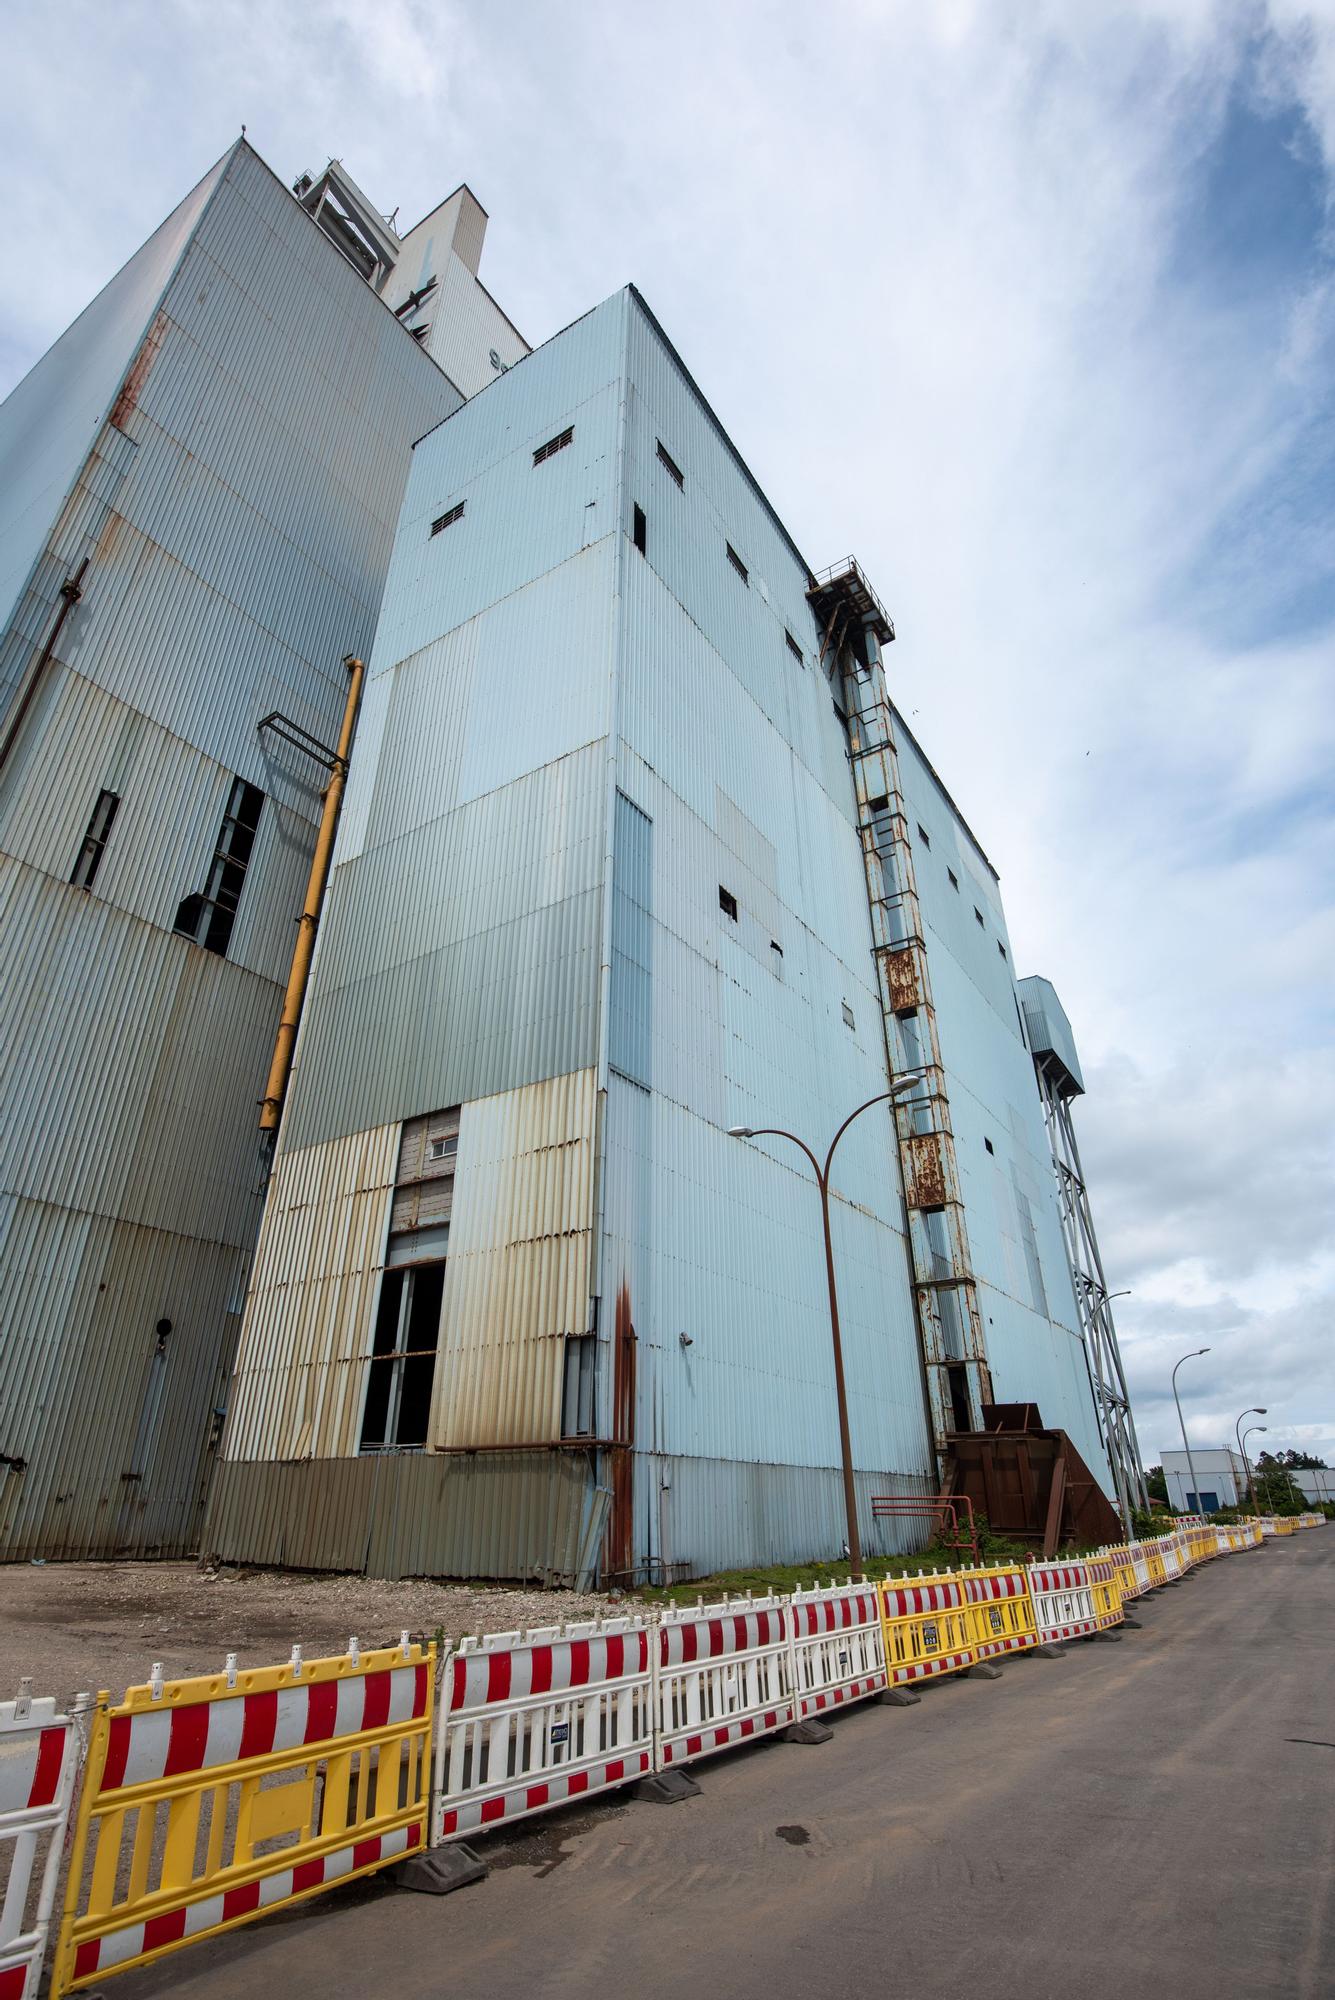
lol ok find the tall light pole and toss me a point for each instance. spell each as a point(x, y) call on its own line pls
point(1191, 1466)
point(1251, 1483)
point(822, 1173)
point(1257, 1410)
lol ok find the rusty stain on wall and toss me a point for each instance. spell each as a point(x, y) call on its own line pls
point(620, 1553)
point(132, 386)
point(901, 971)
point(927, 1172)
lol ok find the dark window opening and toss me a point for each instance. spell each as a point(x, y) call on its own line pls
point(954, 880)
point(727, 902)
point(990, 1147)
point(978, 913)
point(447, 520)
point(553, 445)
point(793, 647)
point(1001, 947)
point(775, 946)
point(419, 333)
point(95, 840)
point(923, 835)
point(414, 299)
point(208, 917)
point(665, 458)
point(403, 1358)
point(849, 1022)
point(957, 1373)
point(737, 563)
point(906, 1013)
point(641, 530)
point(878, 805)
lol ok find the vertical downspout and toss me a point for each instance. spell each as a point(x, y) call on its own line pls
point(297, 979)
point(71, 590)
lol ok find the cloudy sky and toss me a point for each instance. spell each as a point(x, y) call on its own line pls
point(1032, 307)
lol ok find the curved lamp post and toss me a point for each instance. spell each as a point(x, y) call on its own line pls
point(902, 1085)
point(1251, 1482)
point(1257, 1410)
point(1191, 1466)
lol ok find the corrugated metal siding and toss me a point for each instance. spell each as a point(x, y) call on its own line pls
point(517, 1279)
point(301, 1360)
point(238, 530)
point(50, 421)
point(711, 1514)
point(525, 1515)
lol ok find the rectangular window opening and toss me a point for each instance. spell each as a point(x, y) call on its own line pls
point(979, 915)
point(990, 1147)
point(1001, 947)
point(793, 647)
point(95, 840)
point(776, 947)
point(954, 880)
point(737, 563)
point(553, 445)
point(447, 520)
point(403, 1358)
point(923, 835)
point(641, 530)
point(849, 1022)
point(208, 916)
point(666, 459)
point(878, 805)
point(727, 902)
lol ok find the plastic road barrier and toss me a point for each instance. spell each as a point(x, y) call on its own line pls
point(1063, 1601)
point(530, 1720)
point(926, 1628)
point(723, 1675)
point(1105, 1590)
point(39, 1756)
point(1001, 1611)
point(837, 1652)
point(207, 1802)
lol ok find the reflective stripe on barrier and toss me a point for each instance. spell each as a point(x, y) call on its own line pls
point(39, 1756)
point(191, 1783)
point(926, 1628)
point(837, 1650)
point(1063, 1602)
point(1002, 1611)
point(530, 1720)
point(723, 1675)
point(1105, 1590)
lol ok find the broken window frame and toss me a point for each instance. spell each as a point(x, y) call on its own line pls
point(100, 823)
point(208, 917)
point(396, 1322)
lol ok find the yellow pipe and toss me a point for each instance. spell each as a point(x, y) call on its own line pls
point(293, 999)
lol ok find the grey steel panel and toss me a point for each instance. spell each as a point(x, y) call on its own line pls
point(1048, 1026)
point(702, 1515)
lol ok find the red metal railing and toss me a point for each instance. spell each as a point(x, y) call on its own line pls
point(952, 1519)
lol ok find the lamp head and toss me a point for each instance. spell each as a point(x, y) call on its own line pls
point(740, 1132)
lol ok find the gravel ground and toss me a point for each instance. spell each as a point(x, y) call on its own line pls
point(79, 1626)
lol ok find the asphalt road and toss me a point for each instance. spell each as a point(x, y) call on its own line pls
point(1153, 1816)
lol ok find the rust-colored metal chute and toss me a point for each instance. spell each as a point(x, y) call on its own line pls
point(280, 1068)
point(1030, 1483)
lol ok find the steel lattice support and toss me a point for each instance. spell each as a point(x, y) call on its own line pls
point(1091, 1290)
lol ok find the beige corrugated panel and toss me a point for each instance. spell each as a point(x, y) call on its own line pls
point(517, 1281)
point(308, 1317)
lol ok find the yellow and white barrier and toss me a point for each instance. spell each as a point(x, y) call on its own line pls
point(207, 1802)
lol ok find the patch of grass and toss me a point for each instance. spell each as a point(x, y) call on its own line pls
point(783, 1577)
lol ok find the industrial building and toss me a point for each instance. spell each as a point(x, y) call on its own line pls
point(1223, 1475)
point(639, 862)
point(199, 486)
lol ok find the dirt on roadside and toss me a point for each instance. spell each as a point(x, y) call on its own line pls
point(74, 1626)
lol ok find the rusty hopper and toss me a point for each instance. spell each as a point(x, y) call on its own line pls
point(1031, 1483)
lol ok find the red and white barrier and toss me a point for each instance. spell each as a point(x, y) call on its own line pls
point(723, 1675)
point(39, 1757)
point(529, 1720)
point(1063, 1602)
point(837, 1651)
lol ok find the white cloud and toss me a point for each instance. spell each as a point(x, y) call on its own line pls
point(931, 266)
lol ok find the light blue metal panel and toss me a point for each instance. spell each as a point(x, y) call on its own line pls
point(631, 992)
point(1048, 1026)
point(50, 421)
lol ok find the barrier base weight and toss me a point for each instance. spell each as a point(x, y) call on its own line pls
point(981, 1671)
point(1047, 1652)
point(664, 1788)
point(809, 1731)
point(897, 1698)
point(440, 1870)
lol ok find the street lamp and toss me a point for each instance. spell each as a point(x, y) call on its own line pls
point(1191, 1467)
point(898, 1089)
point(1251, 1483)
point(1257, 1410)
